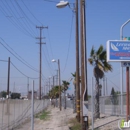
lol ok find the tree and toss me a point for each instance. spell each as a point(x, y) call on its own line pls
point(54, 92)
point(65, 87)
point(98, 61)
point(112, 92)
point(15, 95)
point(3, 94)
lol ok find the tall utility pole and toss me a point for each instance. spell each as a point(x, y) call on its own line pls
point(82, 58)
point(40, 70)
point(77, 63)
point(8, 80)
point(84, 97)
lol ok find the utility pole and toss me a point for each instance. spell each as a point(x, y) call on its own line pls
point(59, 86)
point(53, 81)
point(49, 84)
point(77, 63)
point(27, 85)
point(40, 70)
point(84, 95)
point(8, 80)
point(82, 58)
point(8, 86)
point(57, 77)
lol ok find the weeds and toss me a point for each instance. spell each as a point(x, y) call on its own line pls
point(44, 115)
point(75, 125)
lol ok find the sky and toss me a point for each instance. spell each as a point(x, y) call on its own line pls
point(18, 39)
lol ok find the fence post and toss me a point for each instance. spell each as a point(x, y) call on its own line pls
point(32, 104)
point(92, 104)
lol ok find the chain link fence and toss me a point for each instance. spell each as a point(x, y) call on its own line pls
point(14, 113)
point(111, 105)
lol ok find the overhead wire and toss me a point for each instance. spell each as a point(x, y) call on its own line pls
point(18, 54)
point(69, 43)
point(48, 65)
point(30, 12)
point(28, 21)
point(14, 20)
point(23, 12)
point(113, 83)
point(48, 55)
point(26, 64)
point(50, 45)
point(22, 72)
point(17, 57)
point(20, 59)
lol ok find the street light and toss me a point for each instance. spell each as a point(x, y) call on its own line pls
point(62, 4)
point(59, 81)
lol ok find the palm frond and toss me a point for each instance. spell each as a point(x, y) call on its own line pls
point(103, 55)
point(100, 65)
point(107, 67)
point(99, 51)
point(74, 74)
point(92, 52)
point(90, 60)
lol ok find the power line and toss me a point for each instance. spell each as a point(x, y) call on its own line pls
point(15, 22)
point(28, 21)
point(113, 83)
point(50, 44)
point(31, 12)
point(17, 57)
point(48, 65)
point(22, 72)
point(23, 12)
point(69, 44)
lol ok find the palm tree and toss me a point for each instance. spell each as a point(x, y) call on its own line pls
point(98, 61)
point(65, 87)
point(54, 92)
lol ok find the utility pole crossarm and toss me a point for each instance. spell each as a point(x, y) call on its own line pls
point(41, 27)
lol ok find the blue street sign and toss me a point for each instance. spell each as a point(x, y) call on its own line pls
point(118, 50)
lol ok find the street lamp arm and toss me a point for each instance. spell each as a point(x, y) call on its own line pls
point(121, 29)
